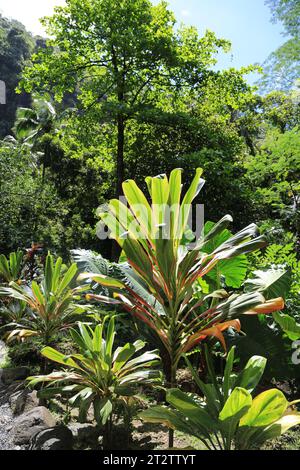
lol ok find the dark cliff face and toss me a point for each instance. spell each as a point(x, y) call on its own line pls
point(16, 47)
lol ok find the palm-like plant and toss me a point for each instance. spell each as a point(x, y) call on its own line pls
point(151, 237)
point(51, 304)
point(33, 123)
point(11, 267)
point(99, 375)
point(226, 417)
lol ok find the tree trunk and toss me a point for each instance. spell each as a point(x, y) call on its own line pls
point(120, 155)
point(170, 368)
point(107, 434)
point(115, 249)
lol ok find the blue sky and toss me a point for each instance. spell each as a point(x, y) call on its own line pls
point(246, 23)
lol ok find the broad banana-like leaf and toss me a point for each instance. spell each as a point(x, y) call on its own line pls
point(275, 282)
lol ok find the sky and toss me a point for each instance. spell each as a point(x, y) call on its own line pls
point(246, 23)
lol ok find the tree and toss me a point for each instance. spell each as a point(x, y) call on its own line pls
point(28, 211)
point(275, 172)
point(121, 56)
point(33, 123)
point(283, 66)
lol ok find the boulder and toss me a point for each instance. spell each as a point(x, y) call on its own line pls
point(23, 400)
point(10, 375)
point(56, 438)
point(84, 433)
point(30, 423)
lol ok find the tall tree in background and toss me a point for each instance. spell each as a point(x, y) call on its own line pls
point(121, 57)
point(283, 66)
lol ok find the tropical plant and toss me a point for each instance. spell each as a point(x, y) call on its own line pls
point(227, 417)
point(99, 375)
point(11, 267)
point(14, 311)
point(51, 304)
point(153, 239)
point(33, 123)
point(278, 271)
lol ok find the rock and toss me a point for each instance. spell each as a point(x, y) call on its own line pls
point(52, 444)
point(23, 401)
point(10, 375)
point(90, 418)
point(84, 432)
point(7, 390)
point(56, 438)
point(185, 380)
point(30, 423)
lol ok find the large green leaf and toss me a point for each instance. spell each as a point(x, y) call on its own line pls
point(102, 409)
point(262, 340)
point(282, 425)
point(266, 408)
point(233, 270)
point(227, 379)
point(56, 356)
point(191, 409)
point(275, 282)
point(170, 418)
point(251, 374)
point(288, 325)
point(236, 405)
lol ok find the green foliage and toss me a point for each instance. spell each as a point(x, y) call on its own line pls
point(283, 259)
point(231, 272)
point(275, 171)
point(26, 212)
point(288, 325)
point(283, 66)
point(151, 237)
point(226, 417)
point(99, 375)
point(138, 69)
point(51, 304)
point(273, 282)
point(11, 267)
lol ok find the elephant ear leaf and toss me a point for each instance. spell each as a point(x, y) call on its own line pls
point(288, 325)
point(232, 270)
point(274, 282)
point(236, 406)
point(250, 376)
